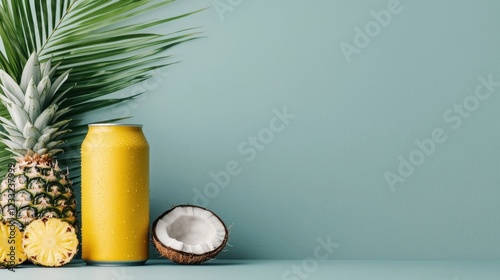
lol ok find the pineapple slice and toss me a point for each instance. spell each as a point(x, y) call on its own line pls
point(50, 242)
point(11, 249)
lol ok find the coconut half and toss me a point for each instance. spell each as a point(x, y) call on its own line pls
point(188, 234)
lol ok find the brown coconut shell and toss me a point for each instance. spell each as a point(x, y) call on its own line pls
point(182, 257)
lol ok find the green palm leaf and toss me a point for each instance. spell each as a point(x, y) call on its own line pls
point(92, 39)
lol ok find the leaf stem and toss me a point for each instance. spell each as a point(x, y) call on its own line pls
point(54, 30)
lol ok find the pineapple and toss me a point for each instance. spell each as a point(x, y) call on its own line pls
point(35, 187)
point(50, 242)
point(11, 249)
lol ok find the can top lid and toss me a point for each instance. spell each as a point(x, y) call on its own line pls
point(115, 124)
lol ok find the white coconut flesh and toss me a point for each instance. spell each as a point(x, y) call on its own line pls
point(190, 229)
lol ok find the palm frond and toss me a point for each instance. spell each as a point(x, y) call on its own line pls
point(95, 40)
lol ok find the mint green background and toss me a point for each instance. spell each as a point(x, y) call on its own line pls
point(323, 175)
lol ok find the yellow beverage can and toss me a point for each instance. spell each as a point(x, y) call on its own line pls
point(115, 195)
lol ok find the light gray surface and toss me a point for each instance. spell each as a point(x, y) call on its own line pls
point(275, 269)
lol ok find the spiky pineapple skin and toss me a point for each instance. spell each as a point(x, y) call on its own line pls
point(40, 190)
point(50, 242)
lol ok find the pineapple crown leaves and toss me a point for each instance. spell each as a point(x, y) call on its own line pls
point(34, 106)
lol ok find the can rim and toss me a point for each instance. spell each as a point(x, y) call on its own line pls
point(115, 124)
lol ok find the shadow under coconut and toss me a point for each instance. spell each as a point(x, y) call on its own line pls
point(207, 263)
